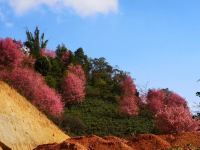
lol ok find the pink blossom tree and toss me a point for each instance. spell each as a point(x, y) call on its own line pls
point(78, 70)
point(48, 53)
point(175, 119)
point(158, 99)
point(129, 106)
point(10, 53)
point(66, 58)
point(170, 111)
point(155, 100)
point(28, 62)
point(73, 89)
point(176, 100)
point(129, 101)
point(32, 86)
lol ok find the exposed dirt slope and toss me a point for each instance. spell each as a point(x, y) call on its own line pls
point(22, 126)
point(149, 142)
point(98, 143)
point(89, 143)
point(66, 145)
point(183, 141)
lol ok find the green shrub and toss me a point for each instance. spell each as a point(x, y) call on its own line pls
point(72, 125)
point(43, 65)
point(51, 81)
point(103, 118)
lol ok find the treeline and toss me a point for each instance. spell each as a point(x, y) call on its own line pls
point(66, 85)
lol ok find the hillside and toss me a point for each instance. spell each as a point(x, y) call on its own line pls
point(22, 126)
point(96, 98)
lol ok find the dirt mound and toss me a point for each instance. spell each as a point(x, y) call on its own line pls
point(149, 142)
point(66, 145)
point(187, 141)
point(98, 143)
point(22, 126)
point(89, 143)
point(184, 140)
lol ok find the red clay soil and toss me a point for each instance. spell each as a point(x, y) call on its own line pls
point(184, 140)
point(88, 143)
point(188, 141)
point(149, 142)
point(66, 145)
point(98, 143)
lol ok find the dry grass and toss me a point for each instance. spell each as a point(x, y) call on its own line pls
point(22, 126)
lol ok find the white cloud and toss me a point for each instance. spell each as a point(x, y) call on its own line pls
point(81, 7)
point(91, 7)
point(23, 6)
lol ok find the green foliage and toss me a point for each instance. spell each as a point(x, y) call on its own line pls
point(64, 55)
point(79, 56)
point(61, 49)
point(52, 69)
point(57, 67)
point(43, 65)
point(82, 59)
point(35, 42)
point(72, 125)
point(57, 72)
point(104, 79)
point(103, 118)
point(51, 81)
point(92, 92)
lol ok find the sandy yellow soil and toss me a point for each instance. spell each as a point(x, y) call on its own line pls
point(22, 126)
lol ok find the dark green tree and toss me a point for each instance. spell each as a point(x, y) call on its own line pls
point(35, 42)
point(82, 59)
point(101, 79)
point(43, 65)
point(64, 55)
point(101, 69)
point(56, 74)
point(60, 50)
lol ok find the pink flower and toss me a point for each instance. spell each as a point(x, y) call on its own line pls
point(175, 119)
point(48, 53)
point(78, 70)
point(10, 54)
point(32, 86)
point(129, 101)
point(73, 89)
point(158, 99)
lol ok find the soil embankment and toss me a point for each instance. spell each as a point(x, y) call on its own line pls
point(182, 141)
point(22, 126)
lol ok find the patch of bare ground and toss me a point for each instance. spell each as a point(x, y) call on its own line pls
point(23, 126)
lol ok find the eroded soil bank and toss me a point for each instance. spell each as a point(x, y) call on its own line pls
point(185, 141)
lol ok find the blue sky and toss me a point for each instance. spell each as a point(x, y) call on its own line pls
point(158, 42)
